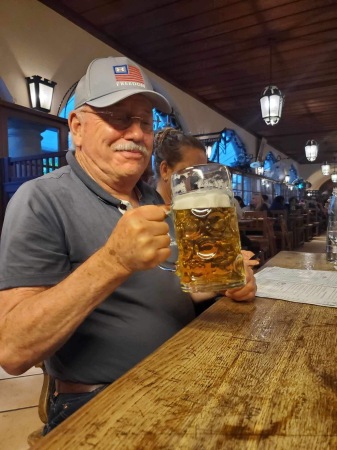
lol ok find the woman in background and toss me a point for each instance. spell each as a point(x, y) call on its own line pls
point(258, 203)
point(174, 151)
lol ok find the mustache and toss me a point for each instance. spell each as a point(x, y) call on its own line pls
point(131, 147)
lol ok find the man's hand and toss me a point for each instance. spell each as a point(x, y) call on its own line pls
point(140, 240)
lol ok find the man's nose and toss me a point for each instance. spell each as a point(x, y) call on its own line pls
point(135, 128)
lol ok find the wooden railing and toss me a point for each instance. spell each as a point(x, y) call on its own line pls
point(23, 168)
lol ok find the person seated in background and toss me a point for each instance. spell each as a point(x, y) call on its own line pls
point(265, 199)
point(314, 206)
point(174, 151)
point(238, 208)
point(293, 204)
point(240, 201)
point(80, 282)
point(258, 203)
point(278, 203)
point(327, 203)
point(322, 211)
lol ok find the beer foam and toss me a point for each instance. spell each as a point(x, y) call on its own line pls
point(202, 199)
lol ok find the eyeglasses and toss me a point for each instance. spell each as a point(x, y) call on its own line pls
point(122, 121)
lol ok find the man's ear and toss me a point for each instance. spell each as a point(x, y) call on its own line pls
point(75, 127)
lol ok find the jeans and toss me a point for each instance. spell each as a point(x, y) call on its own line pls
point(64, 405)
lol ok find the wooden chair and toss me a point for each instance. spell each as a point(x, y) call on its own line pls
point(254, 214)
point(284, 236)
point(295, 223)
point(269, 223)
point(276, 213)
point(313, 218)
point(308, 226)
point(48, 388)
point(266, 237)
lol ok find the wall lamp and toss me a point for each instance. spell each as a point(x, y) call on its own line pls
point(40, 92)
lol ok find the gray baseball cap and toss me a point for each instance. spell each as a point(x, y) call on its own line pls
point(110, 80)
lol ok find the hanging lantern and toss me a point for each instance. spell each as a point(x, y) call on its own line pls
point(271, 105)
point(311, 150)
point(271, 100)
point(325, 168)
point(334, 176)
point(287, 179)
point(40, 92)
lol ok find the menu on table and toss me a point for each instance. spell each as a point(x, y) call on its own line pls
point(316, 287)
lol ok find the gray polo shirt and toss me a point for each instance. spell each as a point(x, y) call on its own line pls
point(52, 225)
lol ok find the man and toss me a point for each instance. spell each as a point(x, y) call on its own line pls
point(81, 286)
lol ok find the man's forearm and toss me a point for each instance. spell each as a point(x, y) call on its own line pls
point(35, 322)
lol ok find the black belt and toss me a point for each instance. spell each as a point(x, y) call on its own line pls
point(69, 387)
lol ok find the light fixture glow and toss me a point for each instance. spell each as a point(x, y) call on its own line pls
point(325, 168)
point(271, 105)
point(334, 176)
point(286, 179)
point(271, 100)
point(311, 150)
point(209, 151)
point(260, 170)
point(40, 92)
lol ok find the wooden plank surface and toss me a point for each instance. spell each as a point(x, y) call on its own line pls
point(258, 375)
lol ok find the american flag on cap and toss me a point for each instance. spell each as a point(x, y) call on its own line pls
point(127, 73)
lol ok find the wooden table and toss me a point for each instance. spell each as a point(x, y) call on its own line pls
point(259, 375)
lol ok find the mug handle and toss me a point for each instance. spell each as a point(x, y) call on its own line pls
point(170, 263)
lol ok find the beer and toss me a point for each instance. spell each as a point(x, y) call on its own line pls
point(208, 242)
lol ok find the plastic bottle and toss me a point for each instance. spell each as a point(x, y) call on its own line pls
point(331, 234)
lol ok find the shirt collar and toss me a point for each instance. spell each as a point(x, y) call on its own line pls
point(125, 205)
point(101, 194)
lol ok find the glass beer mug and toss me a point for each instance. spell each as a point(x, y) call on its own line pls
point(206, 229)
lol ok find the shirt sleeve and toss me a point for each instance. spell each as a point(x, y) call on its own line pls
point(33, 248)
